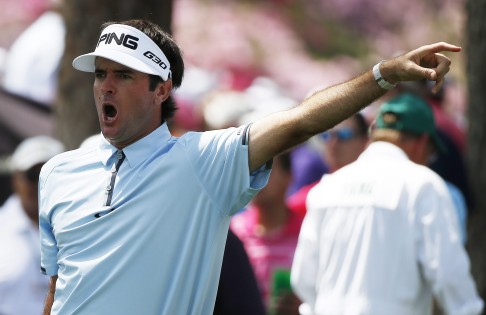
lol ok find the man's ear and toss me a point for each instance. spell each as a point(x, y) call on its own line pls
point(163, 90)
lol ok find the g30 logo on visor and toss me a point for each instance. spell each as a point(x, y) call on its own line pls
point(127, 41)
point(150, 55)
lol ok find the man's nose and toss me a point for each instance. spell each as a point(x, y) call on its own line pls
point(107, 85)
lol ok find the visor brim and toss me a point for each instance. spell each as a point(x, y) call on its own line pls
point(86, 62)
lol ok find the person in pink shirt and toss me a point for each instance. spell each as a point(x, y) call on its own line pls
point(269, 230)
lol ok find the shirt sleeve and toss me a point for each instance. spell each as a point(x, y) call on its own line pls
point(461, 209)
point(220, 158)
point(440, 252)
point(306, 259)
point(48, 243)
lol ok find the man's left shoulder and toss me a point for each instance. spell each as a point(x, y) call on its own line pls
point(428, 177)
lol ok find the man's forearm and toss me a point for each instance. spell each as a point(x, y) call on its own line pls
point(50, 296)
point(319, 112)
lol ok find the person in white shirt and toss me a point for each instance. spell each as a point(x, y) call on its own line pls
point(381, 236)
point(22, 285)
point(32, 62)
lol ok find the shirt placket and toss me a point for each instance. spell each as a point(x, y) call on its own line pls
point(114, 172)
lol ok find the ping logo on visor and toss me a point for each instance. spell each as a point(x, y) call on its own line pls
point(130, 47)
point(128, 41)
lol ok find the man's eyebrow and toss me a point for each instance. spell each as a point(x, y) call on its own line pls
point(121, 71)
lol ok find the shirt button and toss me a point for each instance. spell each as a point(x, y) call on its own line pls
point(108, 188)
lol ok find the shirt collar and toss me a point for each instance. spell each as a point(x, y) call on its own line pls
point(383, 148)
point(138, 151)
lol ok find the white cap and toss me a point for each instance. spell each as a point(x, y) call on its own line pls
point(130, 47)
point(33, 151)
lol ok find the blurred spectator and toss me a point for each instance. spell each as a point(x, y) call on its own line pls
point(451, 166)
point(28, 74)
point(450, 163)
point(3, 61)
point(339, 146)
point(269, 231)
point(32, 61)
point(443, 119)
point(345, 142)
point(307, 166)
point(197, 84)
point(238, 292)
point(22, 285)
point(223, 109)
point(381, 235)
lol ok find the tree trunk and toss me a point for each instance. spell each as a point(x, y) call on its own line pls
point(75, 112)
point(476, 75)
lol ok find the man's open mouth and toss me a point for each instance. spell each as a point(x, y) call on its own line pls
point(109, 112)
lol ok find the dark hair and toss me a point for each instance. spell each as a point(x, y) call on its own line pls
point(284, 160)
point(361, 123)
point(170, 49)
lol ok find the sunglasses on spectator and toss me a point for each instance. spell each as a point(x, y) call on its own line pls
point(342, 134)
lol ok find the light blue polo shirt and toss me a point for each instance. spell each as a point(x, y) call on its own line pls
point(157, 249)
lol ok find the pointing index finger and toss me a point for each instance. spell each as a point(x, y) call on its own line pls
point(438, 47)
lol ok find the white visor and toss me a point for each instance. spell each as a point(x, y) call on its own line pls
point(130, 47)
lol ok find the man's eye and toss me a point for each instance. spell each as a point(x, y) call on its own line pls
point(124, 76)
point(99, 75)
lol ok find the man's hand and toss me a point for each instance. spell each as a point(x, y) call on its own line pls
point(426, 62)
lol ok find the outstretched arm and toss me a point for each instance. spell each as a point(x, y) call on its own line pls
point(324, 109)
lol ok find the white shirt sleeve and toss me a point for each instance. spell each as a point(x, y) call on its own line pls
point(440, 252)
point(306, 260)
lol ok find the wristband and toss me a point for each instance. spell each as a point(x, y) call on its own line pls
point(379, 79)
